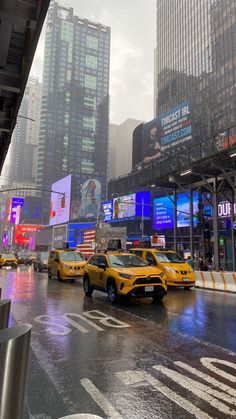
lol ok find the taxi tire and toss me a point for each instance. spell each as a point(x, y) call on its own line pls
point(59, 276)
point(112, 292)
point(88, 290)
point(49, 275)
point(188, 288)
point(158, 297)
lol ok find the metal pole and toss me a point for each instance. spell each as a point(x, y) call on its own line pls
point(216, 227)
point(5, 306)
point(232, 230)
point(175, 220)
point(0, 292)
point(14, 351)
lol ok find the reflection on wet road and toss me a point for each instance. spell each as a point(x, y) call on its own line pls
point(172, 360)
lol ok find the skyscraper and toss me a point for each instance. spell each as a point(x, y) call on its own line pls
point(23, 149)
point(195, 62)
point(75, 101)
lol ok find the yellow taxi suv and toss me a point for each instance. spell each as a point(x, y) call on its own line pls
point(123, 275)
point(178, 272)
point(65, 264)
point(8, 259)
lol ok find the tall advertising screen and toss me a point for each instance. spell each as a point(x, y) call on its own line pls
point(16, 205)
point(107, 211)
point(167, 130)
point(31, 211)
point(163, 208)
point(60, 202)
point(124, 207)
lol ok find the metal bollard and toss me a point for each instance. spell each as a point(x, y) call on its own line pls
point(5, 306)
point(14, 352)
point(0, 292)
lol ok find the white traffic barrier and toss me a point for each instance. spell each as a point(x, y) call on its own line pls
point(222, 281)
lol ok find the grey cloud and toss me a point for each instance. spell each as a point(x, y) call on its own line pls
point(133, 42)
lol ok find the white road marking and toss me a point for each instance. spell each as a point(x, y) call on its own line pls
point(48, 320)
point(75, 324)
point(135, 377)
point(101, 400)
point(207, 362)
point(201, 390)
point(100, 329)
point(207, 378)
point(105, 319)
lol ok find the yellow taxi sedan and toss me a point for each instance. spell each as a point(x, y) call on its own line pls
point(8, 259)
point(65, 264)
point(178, 272)
point(123, 275)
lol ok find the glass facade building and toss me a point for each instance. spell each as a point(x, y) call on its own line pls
point(196, 63)
point(75, 101)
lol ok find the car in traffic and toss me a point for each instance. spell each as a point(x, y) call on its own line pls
point(123, 275)
point(8, 259)
point(65, 264)
point(178, 272)
point(41, 262)
point(24, 258)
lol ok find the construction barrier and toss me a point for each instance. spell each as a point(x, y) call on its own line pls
point(222, 281)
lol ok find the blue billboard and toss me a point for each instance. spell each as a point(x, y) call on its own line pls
point(167, 130)
point(143, 204)
point(129, 207)
point(163, 211)
point(107, 210)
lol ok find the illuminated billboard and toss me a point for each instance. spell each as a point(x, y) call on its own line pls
point(60, 201)
point(31, 211)
point(24, 233)
point(124, 207)
point(163, 216)
point(167, 130)
point(107, 211)
point(90, 198)
point(16, 205)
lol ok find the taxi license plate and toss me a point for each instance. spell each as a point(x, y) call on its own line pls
point(149, 289)
point(185, 280)
point(77, 273)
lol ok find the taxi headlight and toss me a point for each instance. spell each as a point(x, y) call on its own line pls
point(191, 271)
point(172, 271)
point(125, 276)
point(65, 267)
point(162, 274)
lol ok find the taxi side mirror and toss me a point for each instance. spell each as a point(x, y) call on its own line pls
point(102, 266)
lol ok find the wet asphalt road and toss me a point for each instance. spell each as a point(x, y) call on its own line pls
point(172, 360)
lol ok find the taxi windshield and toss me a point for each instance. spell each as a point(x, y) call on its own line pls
point(71, 256)
point(169, 257)
point(44, 255)
point(7, 255)
point(126, 261)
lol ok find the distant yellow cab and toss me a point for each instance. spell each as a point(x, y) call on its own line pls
point(65, 264)
point(178, 272)
point(123, 275)
point(8, 259)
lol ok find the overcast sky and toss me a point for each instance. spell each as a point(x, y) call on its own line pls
point(132, 25)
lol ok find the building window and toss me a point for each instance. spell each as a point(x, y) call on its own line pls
point(90, 82)
point(92, 42)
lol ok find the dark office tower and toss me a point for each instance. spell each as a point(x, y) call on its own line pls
point(196, 62)
point(75, 101)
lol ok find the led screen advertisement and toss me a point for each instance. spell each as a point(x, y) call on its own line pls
point(143, 204)
point(163, 216)
point(31, 211)
point(124, 207)
point(60, 201)
point(167, 130)
point(90, 198)
point(107, 207)
point(16, 205)
point(24, 233)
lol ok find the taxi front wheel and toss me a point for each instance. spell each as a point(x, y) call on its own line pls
point(157, 298)
point(112, 292)
point(88, 290)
